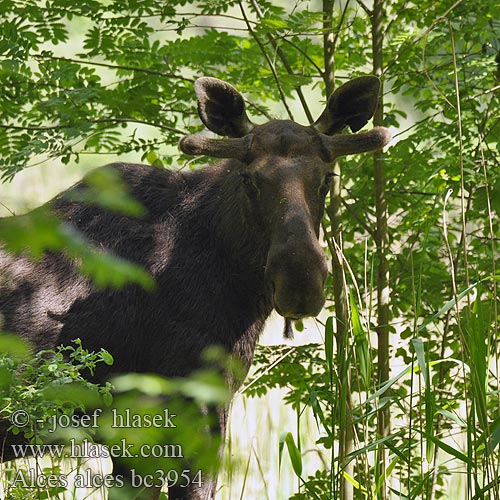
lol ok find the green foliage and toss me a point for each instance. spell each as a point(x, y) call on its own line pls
point(38, 390)
point(291, 371)
point(150, 396)
point(104, 187)
point(47, 384)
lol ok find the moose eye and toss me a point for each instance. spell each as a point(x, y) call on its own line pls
point(326, 183)
point(328, 178)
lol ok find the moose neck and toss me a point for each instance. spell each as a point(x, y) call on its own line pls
point(224, 211)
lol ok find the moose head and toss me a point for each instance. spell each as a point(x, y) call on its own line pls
point(285, 170)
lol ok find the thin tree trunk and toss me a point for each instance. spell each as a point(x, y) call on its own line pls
point(340, 298)
point(382, 243)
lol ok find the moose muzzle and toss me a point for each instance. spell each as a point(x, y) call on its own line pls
point(296, 270)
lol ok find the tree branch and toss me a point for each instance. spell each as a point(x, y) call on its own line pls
point(113, 66)
point(365, 8)
point(268, 59)
point(101, 120)
point(320, 71)
point(285, 62)
point(382, 245)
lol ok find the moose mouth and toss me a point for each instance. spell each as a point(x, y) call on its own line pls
point(292, 315)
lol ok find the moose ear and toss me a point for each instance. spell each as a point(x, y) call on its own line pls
point(352, 104)
point(221, 108)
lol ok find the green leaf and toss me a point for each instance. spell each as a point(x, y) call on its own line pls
point(13, 346)
point(275, 24)
point(428, 396)
point(294, 454)
point(361, 345)
point(451, 303)
point(453, 451)
point(106, 357)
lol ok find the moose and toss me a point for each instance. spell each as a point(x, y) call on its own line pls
point(225, 244)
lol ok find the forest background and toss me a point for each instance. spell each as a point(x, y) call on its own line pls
point(398, 395)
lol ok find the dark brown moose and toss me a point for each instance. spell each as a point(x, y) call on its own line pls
point(226, 245)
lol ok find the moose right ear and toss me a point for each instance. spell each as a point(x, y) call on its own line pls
point(352, 104)
point(221, 108)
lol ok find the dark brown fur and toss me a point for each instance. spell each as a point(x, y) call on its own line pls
point(224, 244)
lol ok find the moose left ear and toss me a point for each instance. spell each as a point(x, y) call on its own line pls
point(352, 104)
point(221, 107)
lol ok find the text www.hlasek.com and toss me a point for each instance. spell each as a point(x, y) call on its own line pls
point(88, 449)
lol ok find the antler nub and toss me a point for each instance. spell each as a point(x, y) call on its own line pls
point(198, 144)
point(348, 144)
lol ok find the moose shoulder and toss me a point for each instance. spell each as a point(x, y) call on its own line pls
point(225, 244)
